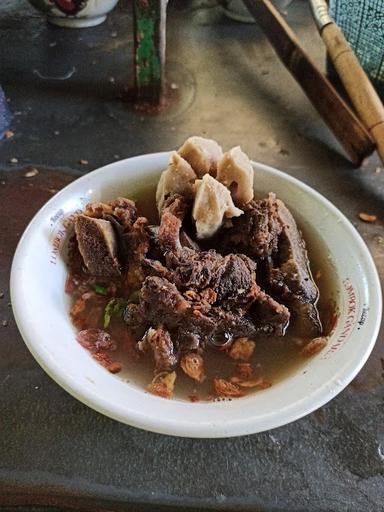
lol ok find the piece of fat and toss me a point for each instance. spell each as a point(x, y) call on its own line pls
point(212, 203)
point(178, 178)
point(202, 154)
point(235, 171)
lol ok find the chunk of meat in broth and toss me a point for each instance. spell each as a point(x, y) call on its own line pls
point(137, 244)
point(97, 244)
point(256, 233)
point(159, 341)
point(267, 232)
point(124, 210)
point(175, 209)
point(232, 291)
point(289, 277)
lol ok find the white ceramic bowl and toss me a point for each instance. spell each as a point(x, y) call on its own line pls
point(75, 14)
point(41, 311)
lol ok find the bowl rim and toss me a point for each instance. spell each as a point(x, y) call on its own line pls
point(161, 424)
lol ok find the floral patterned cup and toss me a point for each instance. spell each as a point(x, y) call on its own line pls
point(75, 13)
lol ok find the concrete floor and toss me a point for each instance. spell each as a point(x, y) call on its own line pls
point(65, 90)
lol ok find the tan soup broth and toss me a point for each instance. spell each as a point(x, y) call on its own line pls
point(274, 358)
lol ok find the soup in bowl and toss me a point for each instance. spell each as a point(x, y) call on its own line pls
point(280, 379)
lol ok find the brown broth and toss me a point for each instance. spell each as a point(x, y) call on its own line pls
point(274, 358)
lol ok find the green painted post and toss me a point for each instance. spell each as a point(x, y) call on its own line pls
point(150, 34)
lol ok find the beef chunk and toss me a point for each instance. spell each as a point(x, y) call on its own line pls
point(119, 234)
point(137, 240)
point(193, 269)
point(133, 317)
point(230, 279)
point(187, 241)
point(229, 276)
point(98, 247)
point(272, 317)
point(159, 340)
point(121, 214)
point(268, 233)
point(192, 322)
point(236, 279)
point(293, 258)
point(289, 276)
point(124, 210)
point(154, 251)
point(133, 242)
point(169, 231)
point(162, 302)
point(157, 269)
point(255, 233)
point(230, 326)
point(190, 328)
point(174, 211)
point(227, 282)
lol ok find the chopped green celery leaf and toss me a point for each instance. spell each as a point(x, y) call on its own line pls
point(101, 290)
point(115, 307)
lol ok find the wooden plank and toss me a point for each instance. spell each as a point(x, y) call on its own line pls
point(150, 39)
point(345, 125)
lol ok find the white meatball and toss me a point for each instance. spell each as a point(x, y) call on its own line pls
point(212, 203)
point(203, 154)
point(178, 178)
point(235, 171)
